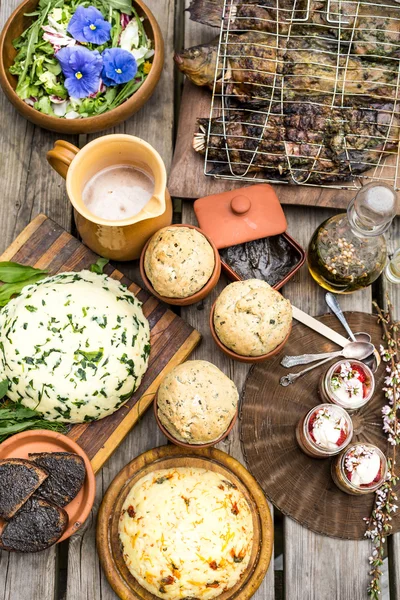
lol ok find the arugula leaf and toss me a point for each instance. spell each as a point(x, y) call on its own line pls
point(3, 388)
point(124, 6)
point(98, 267)
point(12, 272)
point(8, 290)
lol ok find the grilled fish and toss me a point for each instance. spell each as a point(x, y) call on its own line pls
point(371, 30)
point(242, 15)
point(332, 145)
point(255, 70)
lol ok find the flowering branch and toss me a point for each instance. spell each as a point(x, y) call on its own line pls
point(379, 524)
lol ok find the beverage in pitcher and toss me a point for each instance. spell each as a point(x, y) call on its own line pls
point(118, 192)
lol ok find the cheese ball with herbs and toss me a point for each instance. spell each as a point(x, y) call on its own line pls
point(251, 318)
point(196, 402)
point(74, 346)
point(186, 533)
point(179, 261)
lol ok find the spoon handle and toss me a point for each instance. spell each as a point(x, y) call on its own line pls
point(334, 305)
point(292, 377)
point(304, 359)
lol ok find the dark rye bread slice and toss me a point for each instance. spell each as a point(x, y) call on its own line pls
point(19, 479)
point(66, 475)
point(37, 525)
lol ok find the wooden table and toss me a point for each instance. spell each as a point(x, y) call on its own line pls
point(314, 567)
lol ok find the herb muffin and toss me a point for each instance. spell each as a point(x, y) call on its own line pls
point(196, 402)
point(187, 533)
point(251, 318)
point(179, 261)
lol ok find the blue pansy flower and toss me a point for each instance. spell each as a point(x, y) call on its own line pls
point(89, 25)
point(81, 68)
point(119, 66)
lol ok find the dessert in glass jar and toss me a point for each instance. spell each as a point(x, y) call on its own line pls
point(324, 431)
point(360, 469)
point(348, 383)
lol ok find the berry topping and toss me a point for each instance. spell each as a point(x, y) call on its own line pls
point(342, 438)
point(359, 373)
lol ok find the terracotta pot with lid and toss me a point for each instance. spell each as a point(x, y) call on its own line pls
point(245, 215)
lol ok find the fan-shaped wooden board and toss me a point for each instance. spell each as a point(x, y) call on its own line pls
point(167, 457)
point(302, 487)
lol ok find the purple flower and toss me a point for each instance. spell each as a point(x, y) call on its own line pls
point(81, 68)
point(119, 66)
point(89, 25)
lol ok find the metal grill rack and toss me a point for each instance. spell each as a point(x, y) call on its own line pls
point(338, 47)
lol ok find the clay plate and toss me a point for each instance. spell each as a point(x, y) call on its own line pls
point(42, 440)
point(185, 444)
point(201, 294)
point(166, 457)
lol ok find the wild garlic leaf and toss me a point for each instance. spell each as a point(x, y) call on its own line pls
point(98, 267)
point(12, 272)
point(8, 290)
point(3, 387)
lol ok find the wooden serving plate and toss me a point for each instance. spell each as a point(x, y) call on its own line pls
point(166, 457)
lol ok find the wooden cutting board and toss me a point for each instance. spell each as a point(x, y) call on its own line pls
point(187, 178)
point(46, 245)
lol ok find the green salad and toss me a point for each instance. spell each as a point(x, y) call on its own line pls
point(80, 58)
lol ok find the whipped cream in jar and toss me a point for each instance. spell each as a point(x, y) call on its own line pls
point(324, 431)
point(360, 469)
point(348, 383)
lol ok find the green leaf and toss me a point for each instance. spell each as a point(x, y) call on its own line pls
point(124, 6)
point(32, 41)
point(8, 290)
point(12, 272)
point(98, 267)
point(94, 356)
point(3, 388)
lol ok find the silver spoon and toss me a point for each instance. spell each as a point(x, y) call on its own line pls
point(292, 377)
point(334, 305)
point(372, 361)
point(353, 350)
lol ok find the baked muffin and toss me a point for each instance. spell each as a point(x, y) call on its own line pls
point(179, 261)
point(251, 318)
point(196, 402)
point(187, 533)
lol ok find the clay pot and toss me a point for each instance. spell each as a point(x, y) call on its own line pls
point(201, 294)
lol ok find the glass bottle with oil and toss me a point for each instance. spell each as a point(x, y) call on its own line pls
point(348, 251)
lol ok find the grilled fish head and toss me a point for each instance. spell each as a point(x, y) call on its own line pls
point(198, 63)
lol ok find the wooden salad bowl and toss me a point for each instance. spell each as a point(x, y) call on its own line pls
point(18, 22)
point(166, 457)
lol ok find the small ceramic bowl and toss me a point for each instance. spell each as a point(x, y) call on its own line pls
point(205, 291)
point(44, 440)
point(240, 357)
point(18, 22)
point(185, 444)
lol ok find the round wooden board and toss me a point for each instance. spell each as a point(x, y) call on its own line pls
point(165, 457)
point(300, 486)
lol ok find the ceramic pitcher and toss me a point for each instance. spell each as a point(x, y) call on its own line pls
point(119, 239)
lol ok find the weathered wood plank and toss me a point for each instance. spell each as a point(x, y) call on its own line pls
point(29, 187)
point(195, 34)
point(154, 123)
point(393, 291)
point(318, 567)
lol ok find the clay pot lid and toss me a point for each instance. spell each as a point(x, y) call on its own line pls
point(240, 215)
